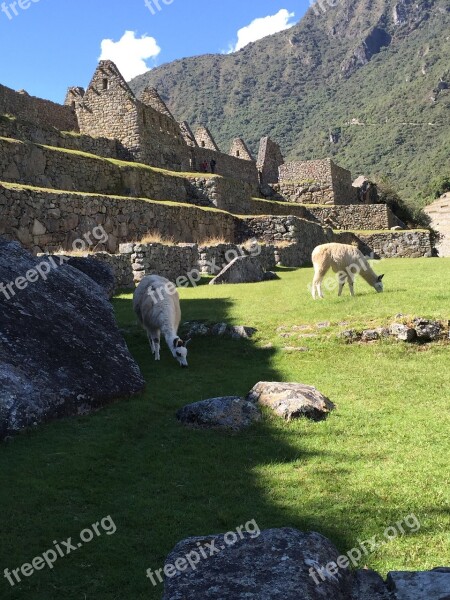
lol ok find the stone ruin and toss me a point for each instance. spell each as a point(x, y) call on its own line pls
point(109, 159)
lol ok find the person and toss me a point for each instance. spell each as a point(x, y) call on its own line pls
point(213, 164)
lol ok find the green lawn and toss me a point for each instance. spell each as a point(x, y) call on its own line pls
point(382, 455)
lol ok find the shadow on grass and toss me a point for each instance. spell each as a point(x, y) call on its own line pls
point(159, 481)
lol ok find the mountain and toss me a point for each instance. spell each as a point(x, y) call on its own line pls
point(365, 81)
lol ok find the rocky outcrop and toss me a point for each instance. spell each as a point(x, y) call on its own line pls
point(291, 400)
point(60, 349)
point(372, 43)
point(229, 412)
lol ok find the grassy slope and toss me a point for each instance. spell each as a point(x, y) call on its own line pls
point(382, 455)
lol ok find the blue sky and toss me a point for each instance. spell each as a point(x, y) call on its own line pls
point(52, 44)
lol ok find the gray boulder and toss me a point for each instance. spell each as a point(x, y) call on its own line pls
point(60, 349)
point(291, 400)
point(243, 269)
point(228, 412)
point(277, 564)
point(97, 270)
point(422, 585)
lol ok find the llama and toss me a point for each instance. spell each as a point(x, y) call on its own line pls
point(157, 306)
point(345, 260)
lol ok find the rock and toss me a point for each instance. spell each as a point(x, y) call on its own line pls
point(422, 585)
point(240, 331)
point(291, 400)
point(426, 330)
point(220, 329)
point(368, 585)
point(97, 270)
point(275, 564)
point(370, 335)
point(228, 412)
point(403, 332)
point(350, 335)
point(61, 353)
point(242, 269)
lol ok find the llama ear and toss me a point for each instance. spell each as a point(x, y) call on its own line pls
point(176, 343)
point(380, 277)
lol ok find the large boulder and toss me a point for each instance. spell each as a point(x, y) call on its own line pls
point(97, 270)
point(291, 400)
point(228, 412)
point(277, 564)
point(243, 269)
point(60, 349)
point(369, 585)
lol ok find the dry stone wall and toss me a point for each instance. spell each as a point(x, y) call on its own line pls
point(49, 136)
point(439, 213)
point(269, 160)
point(50, 221)
point(364, 216)
point(169, 261)
point(35, 110)
point(227, 166)
point(414, 243)
point(281, 231)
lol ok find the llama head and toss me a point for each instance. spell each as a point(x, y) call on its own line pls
point(179, 351)
point(379, 284)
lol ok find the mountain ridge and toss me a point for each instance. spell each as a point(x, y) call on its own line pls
point(380, 63)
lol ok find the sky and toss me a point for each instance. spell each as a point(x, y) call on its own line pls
point(48, 45)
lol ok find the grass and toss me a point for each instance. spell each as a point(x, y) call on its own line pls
point(382, 455)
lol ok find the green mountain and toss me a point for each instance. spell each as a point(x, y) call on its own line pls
point(365, 81)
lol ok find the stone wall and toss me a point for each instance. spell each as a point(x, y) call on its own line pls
point(304, 192)
point(169, 261)
point(212, 259)
point(227, 166)
point(414, 243)
point(62, 170)
point(363, 216)
point(220, 192)
point(50, 221)
point(439, 213)
point(280, 231)
point(316, 182)
point(35, 110)
point(49, 136)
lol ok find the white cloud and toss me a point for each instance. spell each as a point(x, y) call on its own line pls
point(130, 53)
point(262, 27)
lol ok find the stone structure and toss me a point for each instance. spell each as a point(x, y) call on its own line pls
point(439, 213)
point(316, 182)
point(108, 122)
point(240, 150)
point(269, 160)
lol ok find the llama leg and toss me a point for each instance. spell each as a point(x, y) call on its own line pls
point(150, 341)
point(342, 279)
point(154, 339)
point(317, 282)
point(351, 281)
